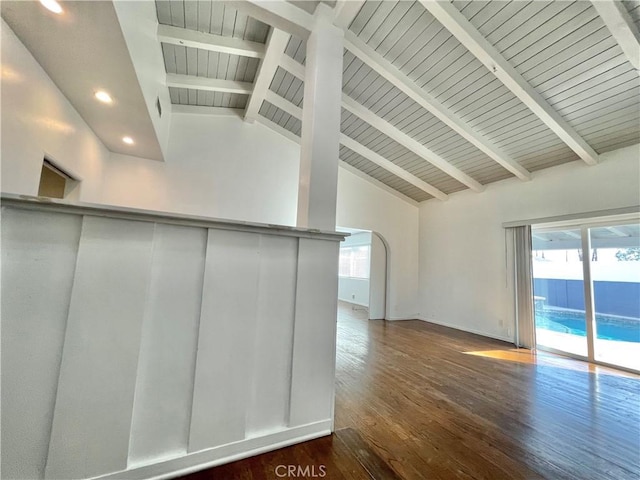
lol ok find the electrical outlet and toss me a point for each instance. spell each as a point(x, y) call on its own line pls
point(353, 296)
point(500, 322)
point(509, 331)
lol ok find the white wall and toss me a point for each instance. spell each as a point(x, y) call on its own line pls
point(223, 167)
point(463, 279)
point(364, 206)
point(215, 166)
point(38, 121)
point(355, 290)
point(218, 167)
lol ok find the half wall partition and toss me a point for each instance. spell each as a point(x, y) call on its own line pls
point(138, 345)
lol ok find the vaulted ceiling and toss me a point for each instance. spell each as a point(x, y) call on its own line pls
point(438, 97)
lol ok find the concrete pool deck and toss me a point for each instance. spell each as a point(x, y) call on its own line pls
point(614, 352)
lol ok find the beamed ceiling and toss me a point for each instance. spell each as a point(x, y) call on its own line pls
point(437, 97)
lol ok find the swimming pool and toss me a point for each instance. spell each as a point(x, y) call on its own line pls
point(608, 328)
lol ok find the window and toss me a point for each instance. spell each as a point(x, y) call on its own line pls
point(354, 261)
point(55, 182)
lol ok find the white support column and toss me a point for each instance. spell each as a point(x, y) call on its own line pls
point(321, 124)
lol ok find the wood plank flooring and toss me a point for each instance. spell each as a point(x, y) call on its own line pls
point(420, 401)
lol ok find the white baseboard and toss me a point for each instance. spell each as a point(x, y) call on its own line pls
point(353, 302)
point(196, 461)
point(469, 330)
point(411, 316)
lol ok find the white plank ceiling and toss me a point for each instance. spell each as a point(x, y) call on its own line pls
point(220, 19)
point(561, 48)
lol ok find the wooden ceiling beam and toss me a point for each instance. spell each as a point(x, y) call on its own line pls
point(389, 166)
point(374, 181)
point(394, 133)
point(208, 84)
point(389, 72)
point(345, 11)
point(361, 150)
point(451, 18)
point(293, 67)
point(409, 143)
point(620, 24)
point(276, 44)
point(294, 138)
point(283, 104)
point(202, 110)
point(281, 15)
point(210, 42)
point(617, 232)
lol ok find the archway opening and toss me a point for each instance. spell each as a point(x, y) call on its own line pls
point(363, 272)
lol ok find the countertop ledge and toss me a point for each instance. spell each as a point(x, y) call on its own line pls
point(126, 213)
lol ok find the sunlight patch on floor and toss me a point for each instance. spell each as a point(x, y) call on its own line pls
point(521, 355)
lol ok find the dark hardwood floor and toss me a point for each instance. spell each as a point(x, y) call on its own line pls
point(420, 401)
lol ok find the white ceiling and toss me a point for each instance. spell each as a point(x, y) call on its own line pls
point(83, 50)
point(310, 5)
point(562, 51)
point(423, 112)
point(618, 236)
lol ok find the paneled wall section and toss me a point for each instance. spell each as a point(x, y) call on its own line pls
point(144, 348)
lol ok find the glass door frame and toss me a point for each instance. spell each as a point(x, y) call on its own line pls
point(590, 318)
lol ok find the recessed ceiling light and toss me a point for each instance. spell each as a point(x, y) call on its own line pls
point(103, 96)
point(52, 6)
point(127, 140)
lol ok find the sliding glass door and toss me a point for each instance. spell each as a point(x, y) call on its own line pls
point(586, 283)
point(558, 289)
point(615, 273)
